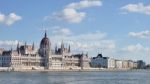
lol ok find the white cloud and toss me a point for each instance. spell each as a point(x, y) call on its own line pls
point(72, 14)
point(84, 4)
point(136, 48)
point(61, 31)
point(88, 42)
point(91, 36)
point(142, 34)
point(136, 8)
point(10, 19)
point(2, 17)
point(7, 44)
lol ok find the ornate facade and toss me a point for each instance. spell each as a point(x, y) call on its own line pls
point(28, 57)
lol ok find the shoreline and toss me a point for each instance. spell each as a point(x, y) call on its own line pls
point(74, 70)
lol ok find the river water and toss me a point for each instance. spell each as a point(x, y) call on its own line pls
point(108, 77)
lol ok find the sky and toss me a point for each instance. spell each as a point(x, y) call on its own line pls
point(116, 28)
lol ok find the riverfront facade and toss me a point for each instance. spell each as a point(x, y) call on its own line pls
point(45, 58)
point(28, 57)
point(111, 63)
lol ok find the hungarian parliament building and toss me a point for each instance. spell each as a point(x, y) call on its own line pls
point(27, 57)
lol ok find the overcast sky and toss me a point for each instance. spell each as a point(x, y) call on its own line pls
point(116, 28)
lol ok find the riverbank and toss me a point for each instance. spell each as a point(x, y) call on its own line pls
point(67, 70)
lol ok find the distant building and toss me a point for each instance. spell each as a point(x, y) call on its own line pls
point(141, 64)
point(119, 64)
point(125, 64)
point(102, 62)
point(97, 61)
point(27, 57)
point(111, 63)
point(131, 64)
point(135, 65)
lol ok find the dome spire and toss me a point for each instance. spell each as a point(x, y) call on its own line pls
point(45, 34)
point(45, 43)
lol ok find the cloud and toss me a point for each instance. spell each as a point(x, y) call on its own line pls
point(72, 14)
point(136, 48)
point(84, 4)
point(142, 34)
point(10, 19)
point(92, 42)
point(2, 17)
point(8, 43)
point(61, 31)
point(136, 8)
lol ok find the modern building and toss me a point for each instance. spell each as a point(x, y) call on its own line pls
point(141, 64)
point(28, 57)
point(102, 62)
point(111, 63)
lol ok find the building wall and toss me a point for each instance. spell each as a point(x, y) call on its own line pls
point(125, 64)
point(111, 63)
point(5, 61)
point(118, 64)
point(98, 62)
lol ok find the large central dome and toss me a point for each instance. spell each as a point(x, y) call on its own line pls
point(45, 42)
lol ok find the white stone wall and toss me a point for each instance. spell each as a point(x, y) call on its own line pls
point(111, 63)
point(119, 64)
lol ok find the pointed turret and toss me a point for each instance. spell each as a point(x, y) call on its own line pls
point(56, 49)
point(69, 50)
point(62, 46)
point(11, 51)
point(82, 53)
point(25, 45)
point(87, 54)
point(33, 46)
point(18, 48)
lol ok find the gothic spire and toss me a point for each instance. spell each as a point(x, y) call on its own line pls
point(56, 49)
point(18, 45)
point(33, 46)
point(18, 48)
point(25, 44)
point(69, 49)
point(62, 46)
point(11, 51)
point(87, 54)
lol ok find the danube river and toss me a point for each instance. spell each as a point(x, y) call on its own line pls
point(108, 77)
